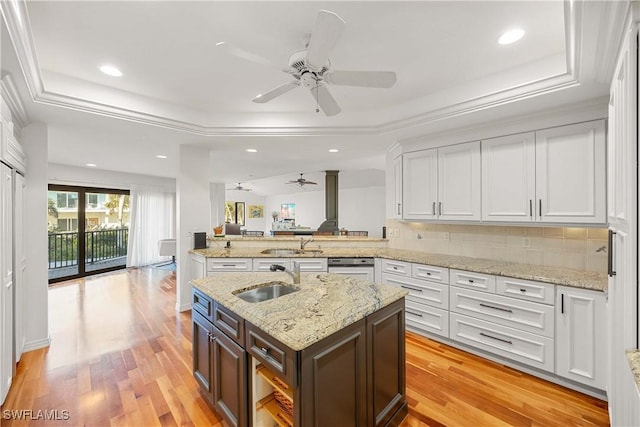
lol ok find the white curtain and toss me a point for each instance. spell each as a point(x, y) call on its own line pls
point(152, 219)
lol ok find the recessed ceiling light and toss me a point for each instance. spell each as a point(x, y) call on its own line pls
point(91, 165)
point(161, 156)
point(333, 150)
point(110, 70)
point(251, 150)
point(511, 36)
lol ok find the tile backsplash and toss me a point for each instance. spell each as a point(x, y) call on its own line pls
point(582, 249)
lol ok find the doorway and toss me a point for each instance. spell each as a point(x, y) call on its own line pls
point(88, 231)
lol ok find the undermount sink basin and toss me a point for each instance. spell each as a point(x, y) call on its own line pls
point(289, 251)
point(266, 291)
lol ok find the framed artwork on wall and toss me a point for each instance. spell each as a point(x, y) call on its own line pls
point(288, 211)
point(256, 211)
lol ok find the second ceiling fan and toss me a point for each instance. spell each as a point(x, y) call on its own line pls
point(310, 67)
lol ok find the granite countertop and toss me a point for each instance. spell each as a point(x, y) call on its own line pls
point(554, 275)
point(633, 356)
point(325, 303)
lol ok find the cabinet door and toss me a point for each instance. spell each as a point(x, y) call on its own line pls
point(397, 188)
point(419, 184)
point(229, 379)
point(581, 326)
point(509, 178)
point(459, 182)
point(386, 364)
point(202, 353)
point(334, 380)
point(6, 283)
point(570, 173)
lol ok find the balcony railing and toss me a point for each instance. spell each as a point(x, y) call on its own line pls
point(99, 246)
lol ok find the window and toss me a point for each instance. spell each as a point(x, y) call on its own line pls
point(66, 200)
point(92, 200)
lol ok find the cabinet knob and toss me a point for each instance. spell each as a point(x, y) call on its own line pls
point(523, 290)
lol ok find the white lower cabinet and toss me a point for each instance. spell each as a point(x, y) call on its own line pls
point(524, 347)
point(228, 265)
point(264, 264)
point(426, 306)
point(581, 326)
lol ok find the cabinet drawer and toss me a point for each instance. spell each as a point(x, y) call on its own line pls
point(264, 264)
point(422, 318)
point(515, 313)
point(396, 267)
point(311, 264)
point(469, 280)
point(530, 349)
point(229, 264)
point(430, 293)
point(526, 289)
point(277, 357)
point(202, 303)
point(229, 323)
point(428, 272)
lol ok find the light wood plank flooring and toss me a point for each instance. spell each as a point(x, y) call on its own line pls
point(120, 356)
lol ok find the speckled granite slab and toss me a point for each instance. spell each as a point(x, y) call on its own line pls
point(555, 275)
point(325, 303)
point(633, 356)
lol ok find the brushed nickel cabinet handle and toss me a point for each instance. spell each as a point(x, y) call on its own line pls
point(439, 208)
point(495, 338)
point(531, 208)
point(508, 310)
point(540, 207)
point(610, 270)
point(411, 288)
point(433, 209)
point(414, 314)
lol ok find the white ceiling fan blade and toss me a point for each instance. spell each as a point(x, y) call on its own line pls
point(326, 33)
point(381, 79)
point(268, 96)
point(325, 100)
point(246, 55)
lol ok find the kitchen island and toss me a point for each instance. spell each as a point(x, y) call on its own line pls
point(329, 353)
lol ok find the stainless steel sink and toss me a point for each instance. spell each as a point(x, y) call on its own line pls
point(266, 291)
point(289, 251)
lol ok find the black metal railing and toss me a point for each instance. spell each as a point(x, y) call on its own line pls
point(99, 246)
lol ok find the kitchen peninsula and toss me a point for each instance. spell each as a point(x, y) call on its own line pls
point(329, 353)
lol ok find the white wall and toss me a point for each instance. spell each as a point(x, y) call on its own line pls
point(192, 214)
point(362, 209)
point(249, 198)
point(34, 140)
point(71, 175)
point(358, 208)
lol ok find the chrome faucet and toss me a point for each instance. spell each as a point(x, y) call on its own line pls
point(303, 242)
point(295, 274)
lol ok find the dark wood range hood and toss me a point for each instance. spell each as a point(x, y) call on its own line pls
point(330, 202)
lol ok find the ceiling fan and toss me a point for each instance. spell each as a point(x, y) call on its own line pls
point(302, 182)
point(239, 187)
point(310, 67)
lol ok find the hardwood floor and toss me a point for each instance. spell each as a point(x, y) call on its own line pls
point(120, 356)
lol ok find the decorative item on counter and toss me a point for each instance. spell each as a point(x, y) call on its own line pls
point(217, 231)
point(274, 215)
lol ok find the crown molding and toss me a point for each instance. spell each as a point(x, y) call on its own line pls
point(16, 17)
point(10, 95)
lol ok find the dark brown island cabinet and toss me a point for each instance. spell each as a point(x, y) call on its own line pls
point(354, 377)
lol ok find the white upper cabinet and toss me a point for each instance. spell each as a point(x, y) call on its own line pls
point(420, 190)
point(509, 178)
point(570, 173)
point(554, 175)
point(397, 187)
point(442, 183)
point(459, 182)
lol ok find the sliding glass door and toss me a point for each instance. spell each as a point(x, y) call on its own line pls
point(88, 231)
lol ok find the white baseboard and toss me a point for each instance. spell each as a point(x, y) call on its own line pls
point(37, 344)
point(183, 307)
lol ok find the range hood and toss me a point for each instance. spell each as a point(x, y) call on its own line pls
point(330, 202)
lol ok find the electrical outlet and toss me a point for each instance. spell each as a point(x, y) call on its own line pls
point(526, 242)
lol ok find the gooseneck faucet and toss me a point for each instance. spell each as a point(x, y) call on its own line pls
point(303, 242)
point(295, 274)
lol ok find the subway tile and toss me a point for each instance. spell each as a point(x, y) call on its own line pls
point(575, 233)
point(575, 261)
point(553, 232)
point(535, 257)
point(597, 233)
point(533, 231)
point(553, 258)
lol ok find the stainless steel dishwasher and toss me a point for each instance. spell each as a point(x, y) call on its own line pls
point(360, 268)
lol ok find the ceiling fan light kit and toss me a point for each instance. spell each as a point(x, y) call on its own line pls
point(310, 67)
